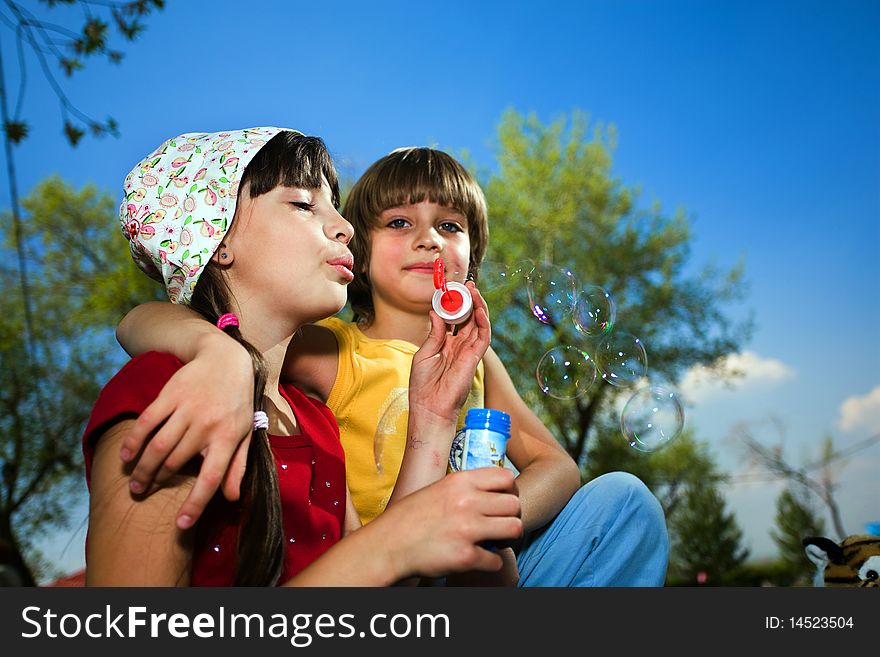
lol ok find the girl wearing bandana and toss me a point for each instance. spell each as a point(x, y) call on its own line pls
point(243, 227)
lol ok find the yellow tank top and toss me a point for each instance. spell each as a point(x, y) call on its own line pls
point(371, 403)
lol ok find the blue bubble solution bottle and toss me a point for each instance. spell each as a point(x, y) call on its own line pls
point(482, 442)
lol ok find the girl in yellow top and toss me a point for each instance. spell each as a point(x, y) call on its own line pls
point(408, 208)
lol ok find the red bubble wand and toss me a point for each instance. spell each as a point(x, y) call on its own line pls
point(450, 300)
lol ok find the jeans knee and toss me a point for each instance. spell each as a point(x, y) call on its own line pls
point(630, 495)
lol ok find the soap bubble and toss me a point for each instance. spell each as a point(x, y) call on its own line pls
point(493, 275)
point(651, 418)
point(520, 271)
point(594, 312)
point(497, 276)
point(565, 372)
point(551, 292)
point(622, 359)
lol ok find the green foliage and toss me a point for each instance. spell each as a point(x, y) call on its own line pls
point(16, 131)
point(668, 472)
point(796, 518)
point(82, 281)
point(683, 476)
point(704, 537)
point(555, 199)
point(84, 278)
point(73, 133)
point(759, 573)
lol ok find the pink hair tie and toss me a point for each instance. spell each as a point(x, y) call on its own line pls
point(228, 319)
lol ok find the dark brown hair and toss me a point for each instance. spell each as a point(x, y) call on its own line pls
point(292, 160)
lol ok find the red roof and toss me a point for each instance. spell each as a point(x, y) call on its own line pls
point(73, 579)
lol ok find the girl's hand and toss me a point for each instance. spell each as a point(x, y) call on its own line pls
point(509, 573)
point(205, 409)
point(440, 528)
point(437, 530)
point(443, 368)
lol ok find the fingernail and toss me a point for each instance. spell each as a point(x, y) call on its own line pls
point(124, 454)
point(184, 522)
point(136, 487)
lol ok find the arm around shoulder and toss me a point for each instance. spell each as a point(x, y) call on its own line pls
point(312, 361)
point(165, 326)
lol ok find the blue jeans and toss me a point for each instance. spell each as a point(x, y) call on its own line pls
point(612, 532)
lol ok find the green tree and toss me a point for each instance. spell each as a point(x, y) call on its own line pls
point(704, 538)
point(554, 199)
point(50, 42)
point(83, 281)
point(678, 475)
point(667, 472)
point(796, 518)
point(37, 424)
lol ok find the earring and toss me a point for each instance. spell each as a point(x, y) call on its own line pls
point(224, 255)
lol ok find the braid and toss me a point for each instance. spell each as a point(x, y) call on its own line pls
point(261, 534)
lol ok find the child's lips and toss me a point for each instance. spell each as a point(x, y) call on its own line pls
point(346, 273)
point(344, 265)
point(421, 269)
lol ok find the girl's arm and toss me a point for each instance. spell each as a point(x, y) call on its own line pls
point(441, 376)
point(312, 361)
point(434, 531)
point(352, 518)
point(442, 373)
point(205, 408)
point(133, 542)
point(548, 475)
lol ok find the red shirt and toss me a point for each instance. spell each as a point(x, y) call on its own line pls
point(311, 473)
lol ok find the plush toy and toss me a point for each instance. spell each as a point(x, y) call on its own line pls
point(855, 562)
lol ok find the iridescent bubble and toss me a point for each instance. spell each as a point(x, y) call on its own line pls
point(520, 271)
point(595, 311)
point(622, 359)
point(565, 372)
point(651, 418)
point(493, 275)
point(497, 276)
point(552, 293)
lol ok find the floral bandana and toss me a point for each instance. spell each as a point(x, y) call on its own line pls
point(180, 200)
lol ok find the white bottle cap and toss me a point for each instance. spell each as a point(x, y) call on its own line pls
point(457, 312)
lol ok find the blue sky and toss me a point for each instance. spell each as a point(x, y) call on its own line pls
point(761, 119)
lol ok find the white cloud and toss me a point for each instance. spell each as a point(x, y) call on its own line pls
point(733, 372)
point(861, 412)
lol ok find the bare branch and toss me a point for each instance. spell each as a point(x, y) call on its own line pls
point(771, 458)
